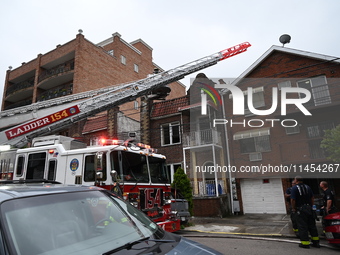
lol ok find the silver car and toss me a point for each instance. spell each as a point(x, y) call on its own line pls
point(62, 219)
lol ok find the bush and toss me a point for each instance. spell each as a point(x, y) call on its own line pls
point(182, 183)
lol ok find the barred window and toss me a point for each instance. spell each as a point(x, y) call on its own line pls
point(255, 144)
point(315, 150)
point(318, 130)
point(319, 89)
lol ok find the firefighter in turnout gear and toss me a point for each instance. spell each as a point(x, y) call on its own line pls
point(302, 200)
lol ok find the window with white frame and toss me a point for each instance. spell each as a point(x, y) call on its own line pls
point(136, 105)
point(172, 168)
point(254, 141)
point(170, 133)
point(136, 68)
point(123, 59)
point(319, 89)
point(110, 52)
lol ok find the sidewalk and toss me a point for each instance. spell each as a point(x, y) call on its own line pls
point(270, 225)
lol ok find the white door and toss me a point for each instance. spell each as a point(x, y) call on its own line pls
point(262, 196)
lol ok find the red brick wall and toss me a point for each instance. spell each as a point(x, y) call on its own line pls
point(210, 206)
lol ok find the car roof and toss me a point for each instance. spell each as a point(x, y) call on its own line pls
point(18, 190)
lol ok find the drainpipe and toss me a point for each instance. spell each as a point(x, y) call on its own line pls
point(228, 157)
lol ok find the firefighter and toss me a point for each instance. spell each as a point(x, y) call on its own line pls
point(328, 199)
point(292, 215)
point(302, 200)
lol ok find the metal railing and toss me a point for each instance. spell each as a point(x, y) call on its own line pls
point(201, 137)
point(65, 67)
point(20, 86)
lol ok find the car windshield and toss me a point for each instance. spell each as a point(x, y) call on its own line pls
point(91, 222)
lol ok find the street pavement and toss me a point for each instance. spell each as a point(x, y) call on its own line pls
point(272, 226)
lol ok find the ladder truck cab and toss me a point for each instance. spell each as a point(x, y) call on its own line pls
point(140, 172)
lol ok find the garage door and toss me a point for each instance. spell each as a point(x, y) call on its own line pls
point(262, 196)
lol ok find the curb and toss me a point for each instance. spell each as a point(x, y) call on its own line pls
point(266, 237)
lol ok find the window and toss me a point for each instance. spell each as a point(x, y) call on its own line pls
point(52, 167)
point(255, 144)
point(136, 68)
point(315, 149)
point(36, 165)
point(172, 168)
point(318, 130)
point(254, 141)
point(319, 89)
point(258, 100)
point(123, 60)
point(136, 105)
point(20, 165)
point(170, 133)
point(292, 130)
point(110, 52)
point(89, 169)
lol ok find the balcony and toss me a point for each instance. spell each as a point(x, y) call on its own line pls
point(56, 92)
point(202, 137)
point(20, 91)
point(57, 70)
point(18, 104)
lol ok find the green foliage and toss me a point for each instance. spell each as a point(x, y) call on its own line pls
point(331, 144)
point(182, 182)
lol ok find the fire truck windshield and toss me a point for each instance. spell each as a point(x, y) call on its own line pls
point(135, 167)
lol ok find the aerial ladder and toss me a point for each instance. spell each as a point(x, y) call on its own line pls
point(37, 120)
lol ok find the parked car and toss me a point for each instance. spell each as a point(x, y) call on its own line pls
point(332, 228)
point(50, 219)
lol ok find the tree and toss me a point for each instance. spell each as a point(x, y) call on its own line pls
point(182, 183)
point(331, 144)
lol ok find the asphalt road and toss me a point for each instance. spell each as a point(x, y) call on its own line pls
point(263, 246)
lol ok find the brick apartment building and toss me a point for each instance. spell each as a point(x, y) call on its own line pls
point(79, 66)
point(255, 141)
point(189, 139)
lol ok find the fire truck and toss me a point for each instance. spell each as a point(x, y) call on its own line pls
point(140, 172)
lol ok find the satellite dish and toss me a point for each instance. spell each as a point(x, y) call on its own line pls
point(284, 39)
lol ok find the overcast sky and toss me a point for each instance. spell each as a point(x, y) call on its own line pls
point(179, 31)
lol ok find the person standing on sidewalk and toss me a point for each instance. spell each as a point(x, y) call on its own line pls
point(328, 199)
point(302, 199)
point(292, 215)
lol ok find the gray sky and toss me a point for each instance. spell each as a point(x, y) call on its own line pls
point(179, 31)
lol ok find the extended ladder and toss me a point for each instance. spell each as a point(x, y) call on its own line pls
point(108, 97)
